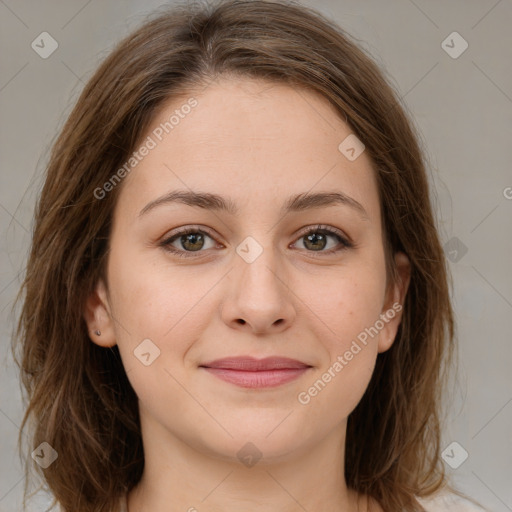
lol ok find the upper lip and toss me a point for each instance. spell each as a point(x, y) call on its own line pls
point(252, 364)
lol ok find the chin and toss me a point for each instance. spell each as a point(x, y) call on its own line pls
point(259, 442)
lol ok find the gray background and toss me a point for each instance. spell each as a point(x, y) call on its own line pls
point(462, 107)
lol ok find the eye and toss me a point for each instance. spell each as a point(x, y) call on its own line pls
point(317, 239)
point(187, 240)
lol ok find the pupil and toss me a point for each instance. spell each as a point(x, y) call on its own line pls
point(190, 238)
point(315, 238)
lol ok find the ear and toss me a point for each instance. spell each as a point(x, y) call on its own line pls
point(392, 311)
point(98, 318)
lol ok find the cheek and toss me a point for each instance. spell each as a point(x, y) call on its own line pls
point(338, 387)
point(344, 311)
point(166, 305)
point(346, 304)
point(167, 309)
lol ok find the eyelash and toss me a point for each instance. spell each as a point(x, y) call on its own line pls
point(323, 229)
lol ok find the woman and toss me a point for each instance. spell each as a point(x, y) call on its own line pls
point(236, 295)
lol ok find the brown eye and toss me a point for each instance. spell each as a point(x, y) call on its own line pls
point(317, 239)
point(187, 241)
point(192, 241)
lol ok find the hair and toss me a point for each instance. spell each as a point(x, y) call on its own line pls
point(79, 398)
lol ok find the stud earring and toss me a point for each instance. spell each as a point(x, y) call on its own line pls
point(97, 332)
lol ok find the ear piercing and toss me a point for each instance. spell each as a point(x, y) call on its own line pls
point(97, 332)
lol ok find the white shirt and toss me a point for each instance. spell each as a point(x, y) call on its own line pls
point(447, 502)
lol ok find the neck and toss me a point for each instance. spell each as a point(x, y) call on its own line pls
point(180, 477)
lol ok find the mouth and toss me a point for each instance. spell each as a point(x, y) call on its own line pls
point(248, 372)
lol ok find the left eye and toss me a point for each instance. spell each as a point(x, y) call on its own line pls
point(317, 240)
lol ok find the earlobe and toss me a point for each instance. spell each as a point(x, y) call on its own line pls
point(97, 317)
point(395, 298)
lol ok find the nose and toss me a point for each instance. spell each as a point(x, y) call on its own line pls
point(258, 299)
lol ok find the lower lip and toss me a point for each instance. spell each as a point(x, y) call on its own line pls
point(259, 379)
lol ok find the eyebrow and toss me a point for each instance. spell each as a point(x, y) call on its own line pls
point(298, 203)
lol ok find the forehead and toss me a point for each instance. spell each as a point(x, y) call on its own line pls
point(248, 114)
point(253, 137)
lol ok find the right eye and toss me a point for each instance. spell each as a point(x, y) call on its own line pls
point(190, 240)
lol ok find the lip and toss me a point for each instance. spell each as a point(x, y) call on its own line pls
point(251, 364)
point(249, 372)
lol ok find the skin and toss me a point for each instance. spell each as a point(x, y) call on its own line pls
point(257, 143)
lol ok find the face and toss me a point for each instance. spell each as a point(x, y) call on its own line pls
point(275, 275)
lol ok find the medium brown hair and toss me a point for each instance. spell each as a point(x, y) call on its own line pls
point(79, 398)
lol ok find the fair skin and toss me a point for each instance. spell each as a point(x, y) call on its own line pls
point(258, 144)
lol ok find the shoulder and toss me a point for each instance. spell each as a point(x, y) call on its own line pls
point(448, 502)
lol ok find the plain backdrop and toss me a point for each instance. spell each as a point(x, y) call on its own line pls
point(462, 105)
